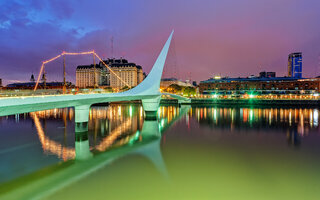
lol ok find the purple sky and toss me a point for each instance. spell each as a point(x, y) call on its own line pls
point(228, 37)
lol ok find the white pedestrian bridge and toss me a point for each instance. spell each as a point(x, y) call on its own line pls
point(148, 91)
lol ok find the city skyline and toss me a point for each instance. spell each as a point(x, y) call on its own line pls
point(171, 99)
point(234, 38)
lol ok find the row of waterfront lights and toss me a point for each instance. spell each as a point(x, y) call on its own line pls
point(261, 96)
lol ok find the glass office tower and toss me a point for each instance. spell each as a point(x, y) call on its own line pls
point(295, 65)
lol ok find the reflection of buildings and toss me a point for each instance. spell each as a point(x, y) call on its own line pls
point(293, 137)
point(117, 125)
point(63, 113)
point(302, 120)
point(168, 112)
point(109, 127)
point(148, 147)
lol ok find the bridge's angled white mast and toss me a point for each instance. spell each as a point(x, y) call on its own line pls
point(151, 84)
point(148, 91)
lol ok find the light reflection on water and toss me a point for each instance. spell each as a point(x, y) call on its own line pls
point(296, 123)
point(57, 135)
point(111, 126)
point(121, 126)
point(288, 117)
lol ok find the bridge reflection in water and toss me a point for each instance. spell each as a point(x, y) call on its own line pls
point(96, 143)
point(120, 125)
point(111, 127)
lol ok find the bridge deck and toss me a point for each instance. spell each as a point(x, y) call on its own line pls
point(10, 106)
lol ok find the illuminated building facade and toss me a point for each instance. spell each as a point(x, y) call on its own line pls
point(295, 65)
point(273, 85)
point(166, 82)
point(129, 73)
point(88, 76)
point(31, 85)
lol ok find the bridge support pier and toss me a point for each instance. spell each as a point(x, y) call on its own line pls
point(81, 132)
point(82, 146)
point(81, 113)
point(150, 107)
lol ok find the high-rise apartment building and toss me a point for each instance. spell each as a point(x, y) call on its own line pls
point(295, 65)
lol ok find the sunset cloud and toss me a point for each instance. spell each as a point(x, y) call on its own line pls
point(234, 38)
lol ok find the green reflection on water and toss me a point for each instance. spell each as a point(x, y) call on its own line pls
point(241, 156)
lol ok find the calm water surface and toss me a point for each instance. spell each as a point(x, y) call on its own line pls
point(186, 153)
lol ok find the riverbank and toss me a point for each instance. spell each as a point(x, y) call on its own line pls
point(237, 102)
point(247, 102)
point(257, 102)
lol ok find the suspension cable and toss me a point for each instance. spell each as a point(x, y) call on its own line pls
point(112, 71)
point(75, 53)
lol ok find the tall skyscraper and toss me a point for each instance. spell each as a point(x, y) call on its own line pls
point(295, 65)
